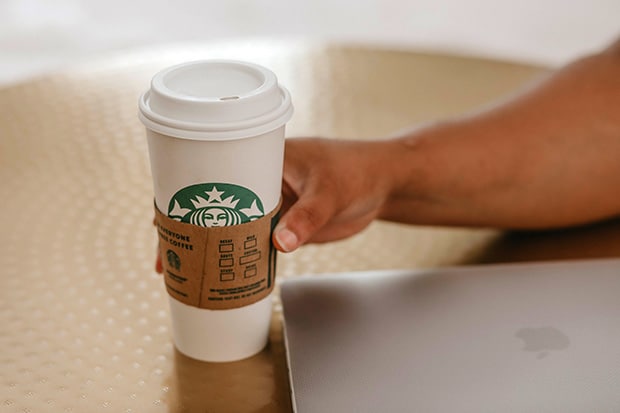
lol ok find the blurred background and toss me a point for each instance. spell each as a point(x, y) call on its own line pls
point(38, 36)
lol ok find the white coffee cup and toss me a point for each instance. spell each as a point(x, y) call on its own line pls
point(208, 122)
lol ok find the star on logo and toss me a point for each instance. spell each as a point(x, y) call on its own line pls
point(214, 195)
point(252, 212)
point(177, 212)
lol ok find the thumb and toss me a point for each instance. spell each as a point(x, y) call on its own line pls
point(308, 215)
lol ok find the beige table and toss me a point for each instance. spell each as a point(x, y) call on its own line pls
point(85, 325)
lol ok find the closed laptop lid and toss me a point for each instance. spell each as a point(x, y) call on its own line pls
point(500, 338)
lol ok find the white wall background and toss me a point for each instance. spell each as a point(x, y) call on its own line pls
point(37, 36)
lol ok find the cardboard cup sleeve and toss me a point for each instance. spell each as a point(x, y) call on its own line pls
point(218, 268)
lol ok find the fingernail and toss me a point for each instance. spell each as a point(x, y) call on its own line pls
point(286, 239)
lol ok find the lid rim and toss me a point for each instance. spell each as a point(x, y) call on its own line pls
point(156, 118)
point(215, 135)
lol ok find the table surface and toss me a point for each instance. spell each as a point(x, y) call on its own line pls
point(86, 324)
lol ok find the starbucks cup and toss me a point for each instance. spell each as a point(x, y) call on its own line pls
point(215, 132)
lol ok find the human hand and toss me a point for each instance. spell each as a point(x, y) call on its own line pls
point(331, 189)
point(159, 267)
point(327, 190)
point(545, 158)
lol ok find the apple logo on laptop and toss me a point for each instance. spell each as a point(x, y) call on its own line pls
point(543, 340)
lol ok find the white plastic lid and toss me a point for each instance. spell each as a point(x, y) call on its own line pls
point(215, 100)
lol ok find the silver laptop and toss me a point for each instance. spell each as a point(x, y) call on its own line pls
point(500, 338)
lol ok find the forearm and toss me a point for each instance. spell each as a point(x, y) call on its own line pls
point(548, 158)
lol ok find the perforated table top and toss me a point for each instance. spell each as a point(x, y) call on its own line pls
point(85, 323)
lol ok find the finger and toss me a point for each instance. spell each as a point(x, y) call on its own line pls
point(289, 197)
point(159, 268)
point(335, 230)
point(302, 221)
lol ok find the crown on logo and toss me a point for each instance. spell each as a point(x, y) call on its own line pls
point(229, 202)
point(213, 200)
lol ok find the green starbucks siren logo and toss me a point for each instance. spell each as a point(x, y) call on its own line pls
point(215, 205)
